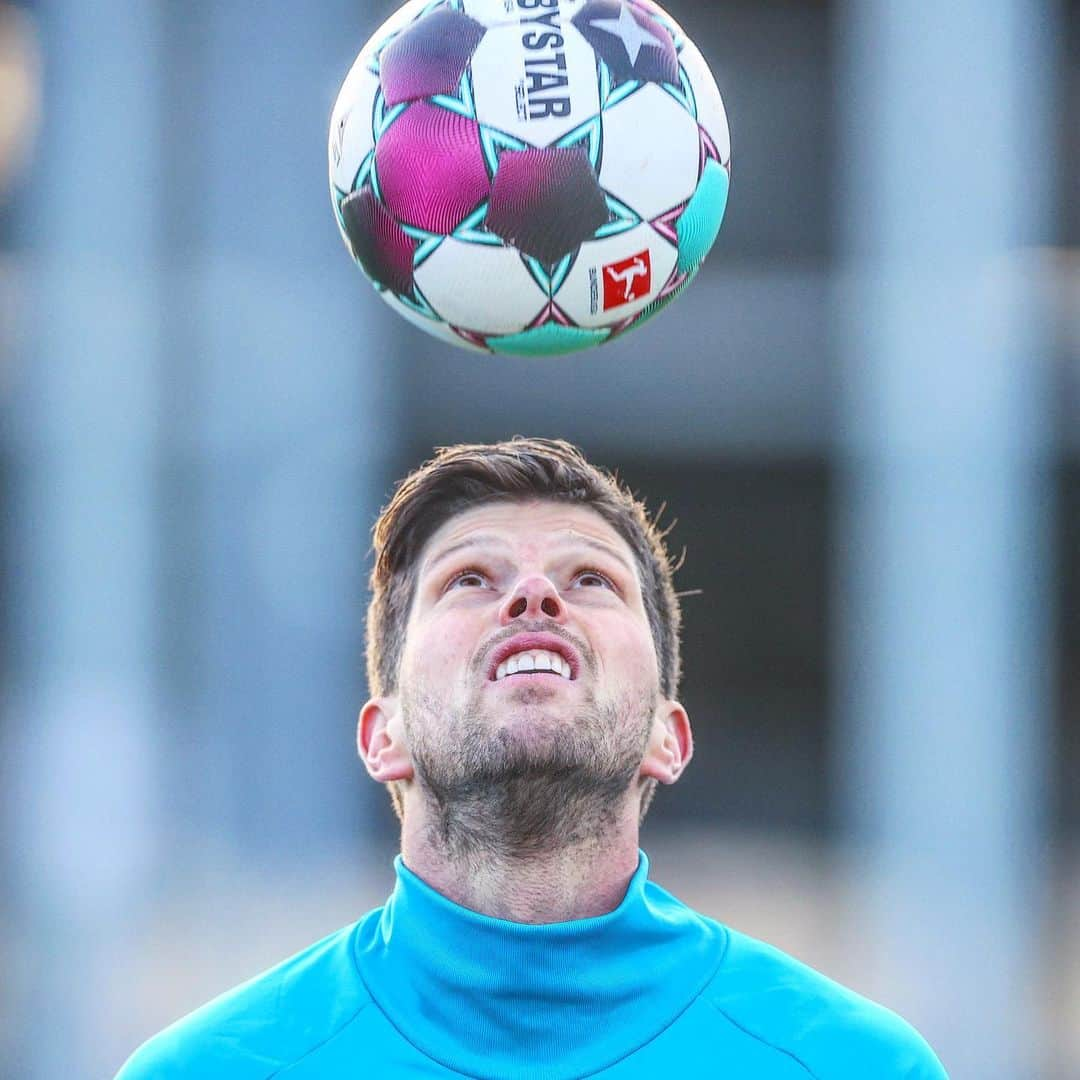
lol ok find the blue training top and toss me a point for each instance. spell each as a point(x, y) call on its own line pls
point(423, 987)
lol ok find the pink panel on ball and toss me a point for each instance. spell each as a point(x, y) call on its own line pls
point(431, 168)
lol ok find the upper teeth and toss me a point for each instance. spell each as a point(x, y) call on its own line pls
point(534, 660)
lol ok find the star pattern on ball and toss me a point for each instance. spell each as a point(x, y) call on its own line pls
point(633, 45)
point(629, 31)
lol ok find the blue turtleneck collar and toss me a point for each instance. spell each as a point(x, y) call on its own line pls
point(492, 998)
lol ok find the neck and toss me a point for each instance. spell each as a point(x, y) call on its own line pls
point(494, 998)
point(579, 878)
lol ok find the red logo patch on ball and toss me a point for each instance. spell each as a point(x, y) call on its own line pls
point(628, 280)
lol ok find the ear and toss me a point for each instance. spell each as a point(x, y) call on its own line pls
point(380, 741)
point(671, 744)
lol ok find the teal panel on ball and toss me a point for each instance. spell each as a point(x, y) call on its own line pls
point(700, 222)
point(547, 340)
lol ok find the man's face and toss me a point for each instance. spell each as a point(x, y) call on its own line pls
point(529, 685)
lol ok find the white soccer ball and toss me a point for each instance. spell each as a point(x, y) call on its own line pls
point(529, 176)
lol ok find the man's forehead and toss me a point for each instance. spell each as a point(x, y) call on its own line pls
point(514, 522)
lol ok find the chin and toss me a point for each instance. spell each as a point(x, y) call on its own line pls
point(536, 712)
point(534, 693)
point(533, 713)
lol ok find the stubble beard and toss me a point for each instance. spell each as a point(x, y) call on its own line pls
point(530, 784)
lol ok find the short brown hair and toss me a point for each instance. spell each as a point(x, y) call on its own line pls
point(463, 477)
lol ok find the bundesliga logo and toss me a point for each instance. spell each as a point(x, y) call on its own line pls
point(628, 280)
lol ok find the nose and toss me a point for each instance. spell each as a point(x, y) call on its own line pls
point(533, 596)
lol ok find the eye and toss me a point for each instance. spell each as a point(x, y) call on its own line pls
point(591, 579)
point(469, 578)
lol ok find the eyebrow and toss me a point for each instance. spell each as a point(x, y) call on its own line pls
point(599, 545)
point(453, 549)
point(489, 539)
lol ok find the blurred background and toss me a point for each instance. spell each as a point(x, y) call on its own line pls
point(863, 417)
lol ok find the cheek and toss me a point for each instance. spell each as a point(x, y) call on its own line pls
point(438, 654)
point(629, 652)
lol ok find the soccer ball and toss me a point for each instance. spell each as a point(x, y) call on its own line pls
point(529, 176)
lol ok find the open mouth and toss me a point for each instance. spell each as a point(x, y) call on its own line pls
point(534, 662)
point(532, 655)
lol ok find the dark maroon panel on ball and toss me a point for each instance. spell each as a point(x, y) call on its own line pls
point(378, 242)
point(430, 57)
point(431, 168)
point(546, 202)
point(630, 41)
